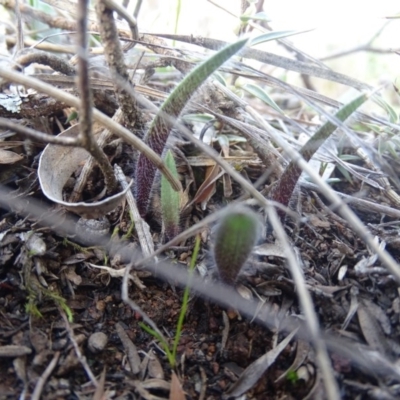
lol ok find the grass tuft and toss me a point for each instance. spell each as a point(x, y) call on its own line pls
point(171, 352)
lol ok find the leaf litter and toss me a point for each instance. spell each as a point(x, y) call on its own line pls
point(53, 300)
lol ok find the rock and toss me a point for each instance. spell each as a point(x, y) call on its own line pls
point(97, 342)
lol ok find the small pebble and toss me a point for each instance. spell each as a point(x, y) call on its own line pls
point(97, 342)
point(232, 314)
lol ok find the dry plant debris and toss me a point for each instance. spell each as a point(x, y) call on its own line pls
point(311, 310)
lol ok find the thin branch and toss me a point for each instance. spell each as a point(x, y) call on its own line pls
point(89, 164)
point(6, 123)
point(30, 56)
point(276, 60)
point(58, 34)
point(20, 31)
point(358, 203)
point(134, 307)
point(80, 356)
point(137, 8)
point(115, 61)
point(123, 13)
point(142, 229)
point(37, 393)
point(54, 21)
point(301, 55)
point(86, 110)
point(307, 306)
point(356, 49)
point(364, 47)
point(55, 48)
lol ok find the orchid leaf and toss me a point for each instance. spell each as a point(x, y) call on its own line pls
point(162, 124)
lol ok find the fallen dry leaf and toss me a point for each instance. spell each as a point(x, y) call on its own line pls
point(176, 392)
point(9, 157)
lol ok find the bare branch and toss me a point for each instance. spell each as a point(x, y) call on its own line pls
point(85, 113)
point(39, 136)
point(30, 56)
point(115, 60)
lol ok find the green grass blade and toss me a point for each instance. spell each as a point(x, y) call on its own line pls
point(178, 13)
point(184, 91)
point(171, 353)
point(260, 93)
point(392, 114)
point(323, 133)
point(163, 343)
point(185, 300)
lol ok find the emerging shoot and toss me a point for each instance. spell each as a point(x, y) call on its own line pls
point(235, 238)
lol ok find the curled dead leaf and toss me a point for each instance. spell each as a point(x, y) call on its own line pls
point(208, 187)
point(57, 164)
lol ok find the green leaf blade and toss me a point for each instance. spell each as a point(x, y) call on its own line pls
point(283, 191)
point(184, 91)
point(170, 200)
point(260, 93)
point(161, 126)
